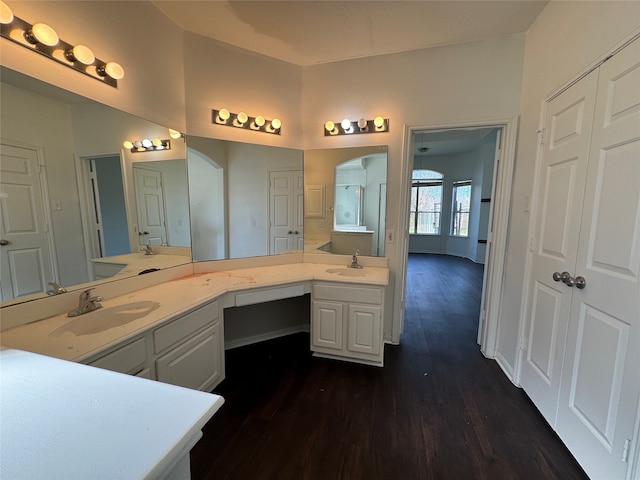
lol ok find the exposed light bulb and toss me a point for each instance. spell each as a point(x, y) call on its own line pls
point(160, 147)
point(112, 69)
point(242, 118)
point(224, 114)
point(156, 142)
point(259, 121)
point(378, 122)
point(6, 15)
point(42, 33)
point(346, 123)
point(329, 126)
point(137, 144)
point(81, 54)
point(276, 124)
point(127, 144)
point(174, 134)
point(362, 124)
point(146, 143)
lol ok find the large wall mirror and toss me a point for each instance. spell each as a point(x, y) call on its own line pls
point(246, 199)
point(75, 205)
point(345, 200)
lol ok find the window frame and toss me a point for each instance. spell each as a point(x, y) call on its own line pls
point(457, 215)
point(418, 183)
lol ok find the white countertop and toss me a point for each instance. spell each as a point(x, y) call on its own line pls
point(52, 336)
point(63, 420)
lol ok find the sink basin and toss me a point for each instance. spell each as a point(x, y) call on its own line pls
point(347, 272)
point(106, 318)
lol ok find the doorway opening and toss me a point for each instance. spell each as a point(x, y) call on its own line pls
point(451, 188)
point(467, 226)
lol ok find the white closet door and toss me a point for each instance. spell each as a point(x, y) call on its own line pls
point(601, 380)
point(562, 177)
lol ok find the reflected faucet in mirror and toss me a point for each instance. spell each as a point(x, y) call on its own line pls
point(147, 250)
point(56, 289)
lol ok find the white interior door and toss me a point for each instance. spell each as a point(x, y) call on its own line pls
point(25, 258)
point(152, 222)
point(601, 380)
point(568, 125)
point(286, 192)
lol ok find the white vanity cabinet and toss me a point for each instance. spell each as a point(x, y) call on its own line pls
point(191, 349)
point(346, 322)
point(187, 351)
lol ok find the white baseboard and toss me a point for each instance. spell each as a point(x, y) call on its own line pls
point(241, 342)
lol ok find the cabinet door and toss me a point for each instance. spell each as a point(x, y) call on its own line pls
point(327, 325)
point(364, 329)
point(197, 363)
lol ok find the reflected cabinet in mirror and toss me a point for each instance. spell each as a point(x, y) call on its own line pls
point(75, 206)
point(245, 199)
point(345, 200)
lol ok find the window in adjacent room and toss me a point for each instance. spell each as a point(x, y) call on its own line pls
point(426, 202)
point(460, 202)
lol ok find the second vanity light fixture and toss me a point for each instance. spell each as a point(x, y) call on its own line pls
point(348, 127)
point(43, 39)
point(242, 120)
point(146, 145)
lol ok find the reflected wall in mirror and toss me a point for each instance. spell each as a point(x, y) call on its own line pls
point(345, 200)
point(67, 193)
point(245, 200)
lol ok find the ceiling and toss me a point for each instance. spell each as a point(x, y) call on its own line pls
point(450, 142)
point(310, 32)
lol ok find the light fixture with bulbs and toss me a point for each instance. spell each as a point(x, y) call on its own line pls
point(147, 145)
point(242, 120)
point(43, 39)
point(350, 127)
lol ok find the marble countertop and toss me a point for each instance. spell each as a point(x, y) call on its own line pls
point(54, 336)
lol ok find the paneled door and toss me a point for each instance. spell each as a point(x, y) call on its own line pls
point(25, 254)
point(560, 195)
point(152, 224)
point(600, 384)
point(286, 214)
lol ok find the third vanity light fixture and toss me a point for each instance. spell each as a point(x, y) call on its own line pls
point(43, 39)
point(348, 127)
point(242, 120)
point(146, 145)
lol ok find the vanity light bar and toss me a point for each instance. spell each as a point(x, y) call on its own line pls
point(146, 145)
point(348, 127)
point(242, 120)
point(43, 39)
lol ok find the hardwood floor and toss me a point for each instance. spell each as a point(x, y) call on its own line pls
point(437, 410)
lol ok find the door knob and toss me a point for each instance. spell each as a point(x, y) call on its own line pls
point(296, 232)
point(561, 277)
point(4, 242)
point(290, 232)
point(580, 282)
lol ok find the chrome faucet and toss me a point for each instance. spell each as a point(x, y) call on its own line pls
point(86, 304)
point(354, 261)
point(147, 250)
point(56, 289)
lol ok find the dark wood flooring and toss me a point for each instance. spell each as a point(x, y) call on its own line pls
point(437, 410)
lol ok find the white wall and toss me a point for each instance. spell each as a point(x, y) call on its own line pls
point(135, 34)
point(457, 83)
point(565, 39)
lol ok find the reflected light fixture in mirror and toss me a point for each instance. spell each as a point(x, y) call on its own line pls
point(242, 120)
point(349, 127)
point(43, 39)
point(146, 145)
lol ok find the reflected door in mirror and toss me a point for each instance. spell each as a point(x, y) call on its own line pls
point(286, 193)
point(150, 201)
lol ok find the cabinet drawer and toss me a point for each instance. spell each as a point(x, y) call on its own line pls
point(127, 359)
point(184, 326)
point(346, 293)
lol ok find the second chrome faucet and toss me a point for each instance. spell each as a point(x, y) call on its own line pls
point(354, 260)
